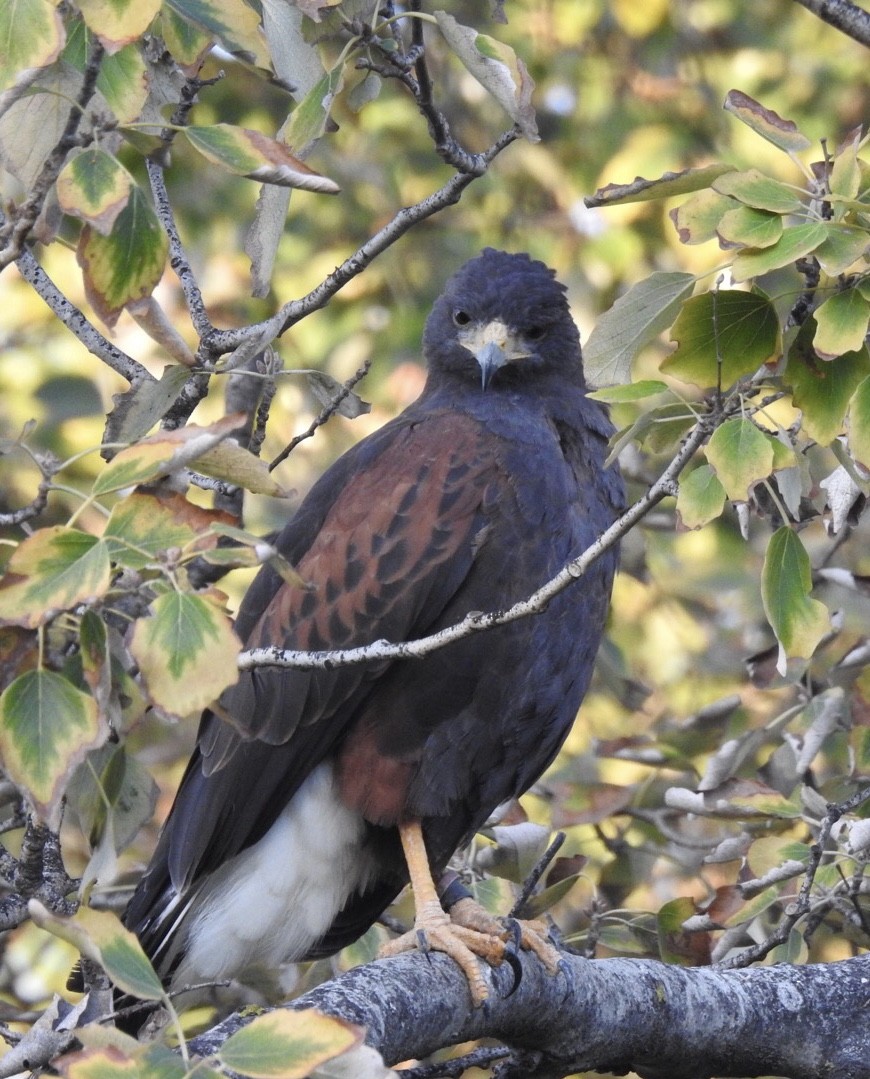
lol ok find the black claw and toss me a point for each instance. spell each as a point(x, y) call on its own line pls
point(423, 941)
point(513, 961)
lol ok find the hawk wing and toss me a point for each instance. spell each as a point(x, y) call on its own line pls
point(385, 541)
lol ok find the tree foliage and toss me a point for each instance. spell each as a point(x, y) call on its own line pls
point(175, 333)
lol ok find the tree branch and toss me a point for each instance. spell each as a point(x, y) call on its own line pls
point(75, 321)
point(223, 341)
point(15, 231)
point(379, 650)
point(845, 16)
point(178, 259)
point(610, 1015)
point(325, 414)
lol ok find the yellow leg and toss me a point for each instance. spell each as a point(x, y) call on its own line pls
point(434, 930)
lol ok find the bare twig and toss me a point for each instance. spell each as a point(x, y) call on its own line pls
point(845, 16)
point(324, 415)
point(76, 322)
point(457, 1067)
point(801, 906)
point(223, 341)
point(398, 67)
point(178, 259)
point(531, 881)
point(14, 233)
point(665, 485)
point(31, 510)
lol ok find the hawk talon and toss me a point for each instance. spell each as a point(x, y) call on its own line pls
point(513, 961)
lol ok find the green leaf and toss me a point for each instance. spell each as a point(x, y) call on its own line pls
point(798, 621)
point(309, 119)
point(112, 795)
point(635, 320)
point(137, 410)
point(676, 946)
point(671, 183)
point(859, 423)
point(52, 570)
point(796, 242)
point(99, 935)
point(127, 264)
point(123, 82)
point(186, 651)
point(95, 187)
point(822, 390)
point(118, 22)
point(697, 219)
point(765, 122)
point(287, 1044)
point(232, 463)
point(747, 227)
point(845, 178)
point(143, 526)
point(162, 454)
point(843, 245)
point(723, 335)
point(248, 153)
point(32, 35)
point(497, 68)
point(841, 324)
point(634, 391)
point(701, 497)
point(753, 188)
point(95, 658)
point(110, 1054)
point(740, 455)
point(46, 728)
point(236, 24)
point(186, 42)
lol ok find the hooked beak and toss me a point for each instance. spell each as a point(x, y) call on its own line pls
point(493, 344)
point(489, 358)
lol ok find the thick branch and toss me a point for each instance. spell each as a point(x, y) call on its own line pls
point(845, 16)
point(612, 1015)
point(665, 485)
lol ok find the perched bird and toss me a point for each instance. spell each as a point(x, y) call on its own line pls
point(312, 796)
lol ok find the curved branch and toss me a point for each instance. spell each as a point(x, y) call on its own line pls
point(222, 341)
point(665, 485)
point(844, 15)
point(611, 1015)
point(15, 231)
point(178, 259)
point(75, 321)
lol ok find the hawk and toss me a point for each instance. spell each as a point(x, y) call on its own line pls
point(313, 796)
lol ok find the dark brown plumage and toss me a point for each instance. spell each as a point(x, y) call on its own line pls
point(283, 842)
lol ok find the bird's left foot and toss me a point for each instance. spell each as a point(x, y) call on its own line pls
point(532, 936)
point(469, 933)
point(436, 931)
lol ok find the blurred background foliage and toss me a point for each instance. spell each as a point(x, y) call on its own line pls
point(623, 89)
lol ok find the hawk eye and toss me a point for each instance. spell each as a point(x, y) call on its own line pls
point(460, 317)
point(535, 333)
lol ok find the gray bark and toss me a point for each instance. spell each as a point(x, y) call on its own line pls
point(663, 1022)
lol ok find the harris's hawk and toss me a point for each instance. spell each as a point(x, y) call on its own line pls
point(311, 793)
